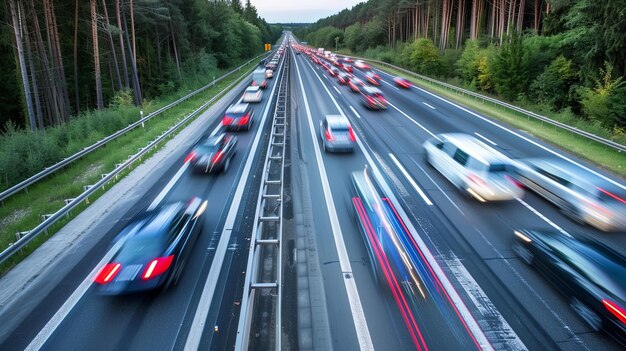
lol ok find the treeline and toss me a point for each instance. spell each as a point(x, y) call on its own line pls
point(567, 56)
point(61, 57)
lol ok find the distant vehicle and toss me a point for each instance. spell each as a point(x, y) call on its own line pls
point(214, 154)
point(373, 98)
point(347, 67)
point(361, 65)
point(402, 82)
point(269, 74)
point(369, 76)
point(156, 246)
point(356, 84)
point(238, 116)
point(346, 59)
point(333, 71)
point(297, 52)
point(320, 50)
point(337, 134)
point(589, 274)
point(582, 195)
point(252, 94)
point(258, 78)
point(343, 78)
point(473, 167)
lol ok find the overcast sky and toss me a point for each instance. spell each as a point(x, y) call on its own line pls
point(288, 11)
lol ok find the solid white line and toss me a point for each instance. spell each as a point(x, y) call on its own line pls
point(217, 129)
point(410, 119)
point(484, 138)
point(393, 86)
point(453, 294)
point(410, 179)
point(355, 113)
point(428, 105)
point(358, 316)
point(168, 187)
point(337, 89)
point(199, 319)
point(533, 210)
point(526, 139)
point(56, 320)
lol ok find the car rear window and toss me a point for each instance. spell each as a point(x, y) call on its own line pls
point(142, 247)
point(340, 129)
point(499, 168)
point(207, 148)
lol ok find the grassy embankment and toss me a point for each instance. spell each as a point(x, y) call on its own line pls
point(23, 211)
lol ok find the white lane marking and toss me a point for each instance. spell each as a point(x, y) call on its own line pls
point(410, 179)
point(437, 185)
point(56, 320)
point(355, 113)
point(202, 311)
point(358, 316)
point(217, 129)
point(533, 210)
point(337, 90)
point(393, 86)
point(325, 77)
point(485, 138)
point(411, 119)
point(526, 139)
point(466, 315)
point(168, 187)
point(428, 105)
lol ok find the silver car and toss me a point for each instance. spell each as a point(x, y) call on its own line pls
point(252, 94)
point(337, 133)
point(580, 194)
point(473, 167)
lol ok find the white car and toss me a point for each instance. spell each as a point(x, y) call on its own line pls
point(252, 94)
point(473, 167)
point(269, 73)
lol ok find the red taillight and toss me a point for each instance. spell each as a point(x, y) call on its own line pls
point(227, 121)
point(107, 273)
point(244, 120)
point(514, 181)
point(192, 156)
point(157, 267)
point(328, 136)
point(217, 157)
point(615, 310)
point(253, 84)
point(370, 100)
point(352, 136)
point(612, 195)
point(476, 180)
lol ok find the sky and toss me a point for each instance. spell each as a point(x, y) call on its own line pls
point(295, 11)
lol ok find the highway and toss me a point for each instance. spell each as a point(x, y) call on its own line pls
point(480, 294)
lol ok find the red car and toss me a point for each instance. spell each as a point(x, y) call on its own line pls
point(343, 78)
point(402, 82)
point(371, 78)
point(361, 65)
point(355, 84)
point(333, 72)
point(347, 68)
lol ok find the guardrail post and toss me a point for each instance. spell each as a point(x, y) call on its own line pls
point(18, 236)
point(141, 117)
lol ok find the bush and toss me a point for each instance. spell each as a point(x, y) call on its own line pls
point(552, 87)
point(422, 57)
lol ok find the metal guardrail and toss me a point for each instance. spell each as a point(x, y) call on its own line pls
point(263, 284)
point(48, 220)
point(484, 98)
point(49, 170)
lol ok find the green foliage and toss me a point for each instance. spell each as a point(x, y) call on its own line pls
point(606, 102)
point(353, 37)
point(510, 69)
point(552, 87)
point(422, 57)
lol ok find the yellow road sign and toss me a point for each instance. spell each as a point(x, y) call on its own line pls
point(268, 47)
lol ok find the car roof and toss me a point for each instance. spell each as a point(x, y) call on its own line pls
point(238, 108)
point(253, 88)
point(337, 120)
point(214, 140)
point(158, 219)
point(474, 147)
point(372, 90)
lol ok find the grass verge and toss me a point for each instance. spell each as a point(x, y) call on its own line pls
point(23, 211)
point(602, 155)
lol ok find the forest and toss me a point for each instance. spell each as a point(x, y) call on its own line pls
point(564, 57)
point(59, 58)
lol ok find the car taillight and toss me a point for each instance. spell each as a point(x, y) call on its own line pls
point(107, 273)
point(476, 180)
point(329, 136)
point(608, 193)
point(244, 120)
point(227, 121)
point(616, 310)
point(157, 267)
point(192, 156)
point(514, 181)
point(371, 101)
point(351, 132)
point(217, 157)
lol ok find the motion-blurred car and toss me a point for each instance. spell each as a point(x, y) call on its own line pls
point(473, 167)
point(347, 68)
point(591, 275)
point(361, 65)
point(402, 82)
point(373, 98)
point(356, 84)
point(371, 78)
point(238, 116)
point(156, 246)
point(333, 72)
point(269, 73)
point(337, 134)
point(343, 78)
point(252, 94)
point(213, 154)
point(580, 194)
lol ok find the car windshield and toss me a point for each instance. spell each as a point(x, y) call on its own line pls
point(499, 168)
point(141, 247)
point(207, 149)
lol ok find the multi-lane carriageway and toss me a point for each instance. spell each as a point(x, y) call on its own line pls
point(485, 297)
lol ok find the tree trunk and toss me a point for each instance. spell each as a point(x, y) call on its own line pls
point(112, 45)
point(133, 62)
point(175, 49)
point(76, 90)
point(55, 47)
point(520, 16)
point(33, 70)
point(460, 23)
point(96, 55)
point(121, 37)
point(132, 28)
point(17, 29)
